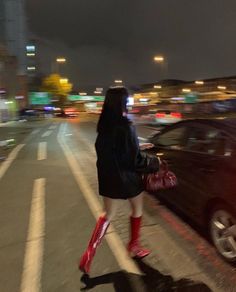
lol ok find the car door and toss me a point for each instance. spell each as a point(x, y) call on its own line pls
point(168, 146)
point(206, 151)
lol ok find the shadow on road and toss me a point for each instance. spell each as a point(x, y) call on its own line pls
point(152, 280)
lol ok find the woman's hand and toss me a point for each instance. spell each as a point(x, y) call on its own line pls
point(144, 146)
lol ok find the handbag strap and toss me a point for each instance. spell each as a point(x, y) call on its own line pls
point(163, 165)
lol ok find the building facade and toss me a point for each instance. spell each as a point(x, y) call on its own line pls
point(16, 32)
point(206, 90)
point(13, 58)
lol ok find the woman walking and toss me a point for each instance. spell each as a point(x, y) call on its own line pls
point(120, 166)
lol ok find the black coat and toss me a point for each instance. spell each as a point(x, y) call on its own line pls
point(120, 164)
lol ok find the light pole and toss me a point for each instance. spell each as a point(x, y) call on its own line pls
point(61, 60)
point(55, 67)
point(118, 82)
point(159, 59)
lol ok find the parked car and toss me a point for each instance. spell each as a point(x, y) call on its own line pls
point(202, 154)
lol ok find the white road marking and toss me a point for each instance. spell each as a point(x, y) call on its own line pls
point(31, 276)
point(52, 127)
point(12, 156)
point(46, 134)
point(142, 139)
point(35, 132)
point(114, 241)
point(42, 151)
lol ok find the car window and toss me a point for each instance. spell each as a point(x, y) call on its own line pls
point(207, 140)
point(173, 138)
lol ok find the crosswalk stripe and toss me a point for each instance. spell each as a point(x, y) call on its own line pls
point(32, 269)
point(46, 134)
point(42, 151)
point(35, 132)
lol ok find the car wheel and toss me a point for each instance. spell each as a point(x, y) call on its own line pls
point(222, 227)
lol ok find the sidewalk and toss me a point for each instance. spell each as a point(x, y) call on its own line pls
point(6, 124)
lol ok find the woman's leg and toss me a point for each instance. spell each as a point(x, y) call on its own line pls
point(110, 206)
point(137, 205)
point(135, 224)
point(97, 235)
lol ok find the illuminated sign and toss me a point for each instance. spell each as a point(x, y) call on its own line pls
point(39, 98)
point(85, 98)
point(191, 98)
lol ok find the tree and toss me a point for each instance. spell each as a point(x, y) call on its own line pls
point(57, 86)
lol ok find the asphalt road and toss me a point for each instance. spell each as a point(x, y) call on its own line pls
point(48, 206)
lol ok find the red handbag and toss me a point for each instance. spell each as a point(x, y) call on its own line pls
point(163, 179)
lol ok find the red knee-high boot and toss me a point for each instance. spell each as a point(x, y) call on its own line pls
point(98, 233)
point(134, 247)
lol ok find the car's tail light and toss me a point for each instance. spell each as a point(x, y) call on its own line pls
point(160, 115)
point(176, 115)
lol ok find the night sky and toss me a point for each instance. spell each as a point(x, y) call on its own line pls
point(108, 39)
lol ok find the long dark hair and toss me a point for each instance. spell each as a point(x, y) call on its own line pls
point(113, 108)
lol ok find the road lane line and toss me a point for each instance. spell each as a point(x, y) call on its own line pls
point(115, 243)
point(52, 127)
point(42, 151)
point(32, 269)
point(35, 132)
point(46, 134)
point(12, 156)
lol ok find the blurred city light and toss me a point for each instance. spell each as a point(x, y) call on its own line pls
point(97, 92)
point(186, 90)
point(199, 82)
point(159, 59)
point(63, 80)
point(221, 87)
point(82, 93)
point(157, 86)
point(61, 60)
point(30, 54)
point(31, 68)
point(118, 81)
point(30, 48)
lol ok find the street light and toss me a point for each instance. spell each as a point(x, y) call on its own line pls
point(159, 59)
point(118, 81)
point(163, 63)
point(61, 60)
point(55, 65)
